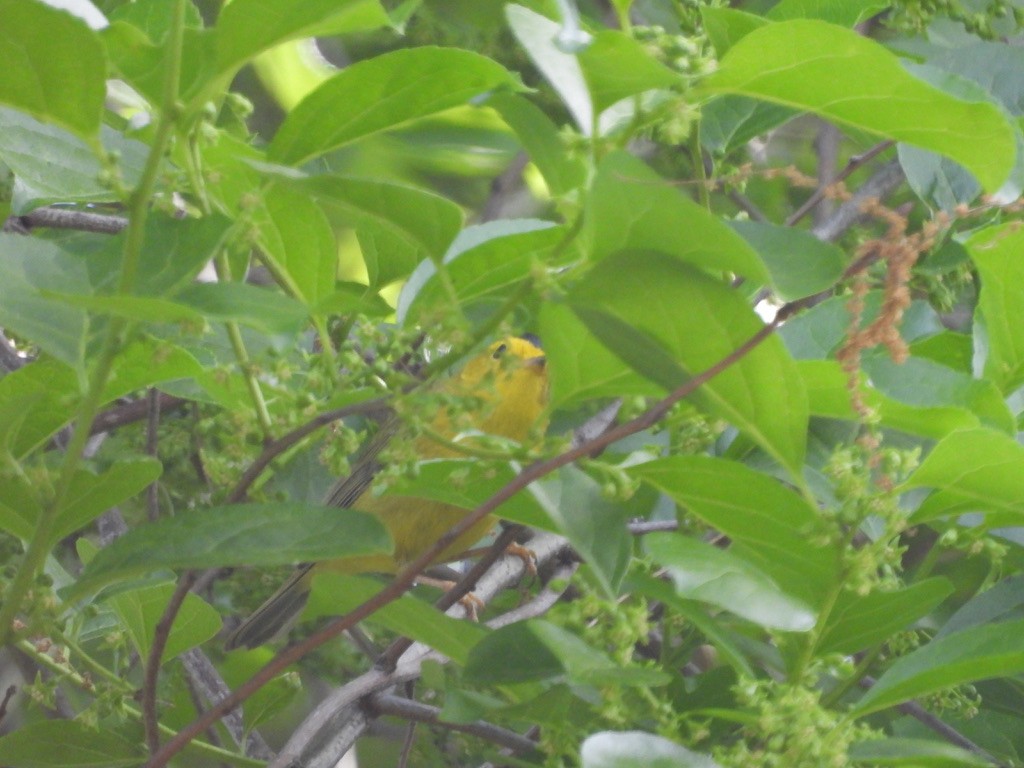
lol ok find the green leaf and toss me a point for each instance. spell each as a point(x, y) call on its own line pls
point(538, 36)
point(828, 395)
point(631, 207)
point(296, 236)
point(594, 526)
point(800, 264)
point(28, 267)
point(854, 81)
point(996, 253)
point(730, 122)
point(859, 622)
point(615, 66)
point(630, 301)
point(248, 27)
point(772, 524)
point(979, 653)
point(485, 261)
point(581, 367)
point(726, 580)
point(53, 66)
point(383, 93)
point(1003, 601)
point(263, 309)
point(68, 744)
point(914, 753)
point(539, 650)
point(636, 749)
point(90, 495)
point(335, 594)
point(140, 611)
point(20, 506)
point(51, 165)
point(727, 26)
point(419, 224)
point(243, 534)
point(972, 470)
point(542, 141)
point(845, 13)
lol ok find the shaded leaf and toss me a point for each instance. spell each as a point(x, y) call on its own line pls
point(140, 611)
point(68, 744)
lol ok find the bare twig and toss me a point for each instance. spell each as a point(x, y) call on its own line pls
point(163, 630)
point(8, 695)
point(135, 410)
point(276, 447)
point(407, 709)
point(852, 165)
point(52, 217)
point(652, 526)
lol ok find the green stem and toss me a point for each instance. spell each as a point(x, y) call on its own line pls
point(697, 155)
point(836, 694)
point(138, 210)
point(220, 262)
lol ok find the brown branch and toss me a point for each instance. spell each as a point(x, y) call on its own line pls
point(405, 578)
point(152, 427)
point(276, 447)
point(407, 709)
point(130, 412)
point(163, 630)
point(52, 217)
point(852, 165)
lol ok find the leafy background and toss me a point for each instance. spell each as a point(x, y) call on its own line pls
point(773, 253)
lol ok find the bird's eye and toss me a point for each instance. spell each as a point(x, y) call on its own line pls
point(499, 351)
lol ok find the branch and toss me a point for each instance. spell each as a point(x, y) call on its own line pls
point(132, 411)
point(853, 164)
point(52, 217)
point(885, 180)
point(408, 709)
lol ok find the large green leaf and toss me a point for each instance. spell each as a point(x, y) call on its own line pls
point(973, 470)
point(140, 610)
point(914, 753)
point(978, 653)
point(615, 66)
point(669, 321)
point(631, 207)
point(68, 744)
point(485, 261)
point(542, 141)
point(247, 27)
point(800, 264)
point(296, 237)
point(846, 77)
point(90, 495)
point(859, 621)
point(244, 534)
point(53, 66)
point(382, 93)
point(729, 581)
point(772, 524)
point(581, 367)
point(996, 253)
point(418, 224)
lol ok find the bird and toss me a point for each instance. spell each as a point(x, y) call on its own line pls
point(509, 382)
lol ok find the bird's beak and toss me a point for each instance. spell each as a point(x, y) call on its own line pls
point(537, 363)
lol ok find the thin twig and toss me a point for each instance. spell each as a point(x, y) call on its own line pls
point(150, 720)
point(8, 695)
point(276, 447)
point(52, 217)
point(132, 411)
point(407, 709)
point(852, 165)
point(644, 527)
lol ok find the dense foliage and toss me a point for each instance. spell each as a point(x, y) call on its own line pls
point(772, 250)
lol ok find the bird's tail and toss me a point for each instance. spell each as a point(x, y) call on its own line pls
point(277, 614)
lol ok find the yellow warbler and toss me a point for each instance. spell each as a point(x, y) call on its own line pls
point(510, 381)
